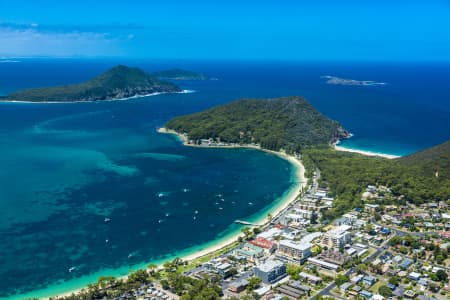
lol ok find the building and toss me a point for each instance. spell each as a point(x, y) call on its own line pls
point(337, 237)
point(250, 252)
point(238, 286)
point(323, 264)
point(310, 278)
point(271, 271)
point(294, 251)
point(264, 243)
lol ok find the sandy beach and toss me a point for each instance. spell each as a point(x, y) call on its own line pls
point(288, 199)
point(368, 153)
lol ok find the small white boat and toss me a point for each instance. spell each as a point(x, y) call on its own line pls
point(107, 220)
point(196, 212)
point(220, 208)
point(71, 269)
point(250, 203)
point(186, 190)
point(167, 214)
point(107, 241)
point(160, 195)
point(130, 255)
point(223, 200)
point(195, 218)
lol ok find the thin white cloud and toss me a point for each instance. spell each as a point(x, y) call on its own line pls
point(31, 41)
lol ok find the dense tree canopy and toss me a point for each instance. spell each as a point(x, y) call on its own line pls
point(290, 123)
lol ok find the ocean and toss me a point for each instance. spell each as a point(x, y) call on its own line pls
point(67, 167)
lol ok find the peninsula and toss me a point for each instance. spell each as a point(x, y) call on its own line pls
point(180, 74)
point(343, 81)
point(116, 83)
point(288, 123)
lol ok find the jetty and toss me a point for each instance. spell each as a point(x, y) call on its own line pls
point(242, 222)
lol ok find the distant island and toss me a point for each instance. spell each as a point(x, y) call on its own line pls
point(116, 83)
point(179, 74)
point(288, 123)
point(343, 81)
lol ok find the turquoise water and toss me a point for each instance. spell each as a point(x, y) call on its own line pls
point(67, 167)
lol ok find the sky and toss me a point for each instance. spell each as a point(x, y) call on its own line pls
point(369, 30)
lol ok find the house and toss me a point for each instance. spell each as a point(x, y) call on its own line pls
point(398, 292)
point(366, 294)
point(238, 286)
point(271, 271)
point(345, 286)
point(414, 276)
point(406, 263)
point(368, 281)
point(409, 294)
point(310, 278)
point(356, 279)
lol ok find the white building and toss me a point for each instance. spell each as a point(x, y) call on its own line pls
point(296, 251)
point(337, 237)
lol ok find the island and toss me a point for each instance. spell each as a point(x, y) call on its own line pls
point(119, 82)
point(343, 81)
point(288, 123)
point(180, 74)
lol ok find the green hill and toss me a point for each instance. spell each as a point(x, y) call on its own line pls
point(413, 177)
point(290, 123)
point(433, 161)
point(179, 74)
point(116, 83)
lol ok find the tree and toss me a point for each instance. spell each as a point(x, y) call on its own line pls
point(247, 232)
point(340, 279)
point(395, 280)
point(253, 283)
point(385, 291)
point(442, 275)
point(152, 268)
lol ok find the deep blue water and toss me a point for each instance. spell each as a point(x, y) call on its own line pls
point(65, 167)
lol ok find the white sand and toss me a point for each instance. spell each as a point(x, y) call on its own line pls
point(368, 153)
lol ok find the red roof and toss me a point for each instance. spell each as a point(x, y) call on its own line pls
point(445, 234)
point(279, 226)
point(262, 242)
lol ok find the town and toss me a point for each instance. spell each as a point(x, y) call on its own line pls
point(375, 252)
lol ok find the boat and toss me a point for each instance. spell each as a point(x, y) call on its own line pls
point(107, 220)
point(250, 203)
point(185, 190)
point(220, 208)
point(107, 241)
point(167, 214)
point(71, 269)
point(130, 255)
point(196, 212)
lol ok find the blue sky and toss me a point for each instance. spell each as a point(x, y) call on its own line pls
point(279, 30)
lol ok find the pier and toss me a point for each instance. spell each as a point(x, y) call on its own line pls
point(242, 222)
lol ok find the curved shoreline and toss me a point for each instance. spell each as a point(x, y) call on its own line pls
point(364, 152)
point(226, 238)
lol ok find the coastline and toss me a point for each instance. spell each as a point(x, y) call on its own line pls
point(228, 237)
point(364, 152)
point(98, 101)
